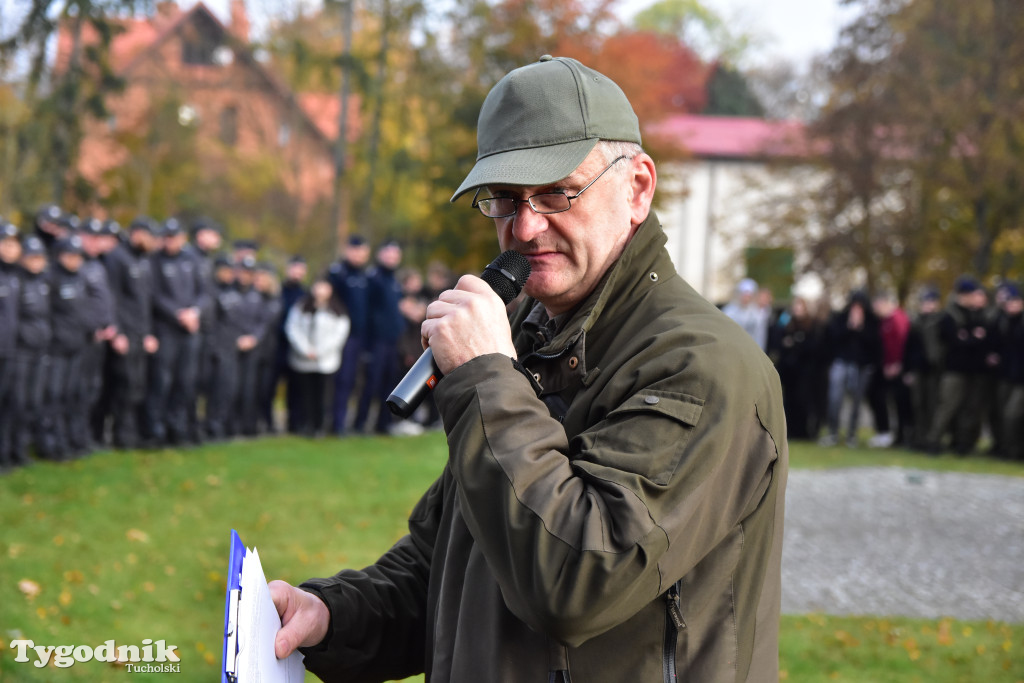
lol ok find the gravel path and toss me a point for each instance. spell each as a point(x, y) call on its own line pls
point(893, 541)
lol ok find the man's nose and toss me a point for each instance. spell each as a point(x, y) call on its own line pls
point(527, 223)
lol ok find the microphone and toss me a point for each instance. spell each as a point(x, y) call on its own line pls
point(506, 275)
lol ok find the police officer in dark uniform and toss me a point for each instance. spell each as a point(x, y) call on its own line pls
point(207, 237)
point(99, 311)
point(226, 328)
point(386, 325)
point(254, 327)
point(31, 355)
point(129, 271)
point(351, 285)
point(1011, 395)
point(968, 341)
point(10, 287)
point(51, 224)
point(178, 298)
point(67, 387)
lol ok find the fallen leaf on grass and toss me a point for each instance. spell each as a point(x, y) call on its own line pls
point(30, 588)
point(137, 535)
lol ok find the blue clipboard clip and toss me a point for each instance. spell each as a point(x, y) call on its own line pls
point(234, 592)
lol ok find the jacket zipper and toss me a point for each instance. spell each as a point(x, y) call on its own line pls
point(673, 625)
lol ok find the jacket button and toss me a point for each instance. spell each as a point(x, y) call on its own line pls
point(653, 276)
point(651, 400)
point(573, 362)
point(536, 377)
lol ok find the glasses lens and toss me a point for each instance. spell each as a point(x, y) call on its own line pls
point(549, 202)
point(495, 207)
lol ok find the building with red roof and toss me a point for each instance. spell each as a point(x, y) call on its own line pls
point(237, 107)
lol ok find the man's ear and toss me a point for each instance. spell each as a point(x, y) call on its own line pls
point(643, 180)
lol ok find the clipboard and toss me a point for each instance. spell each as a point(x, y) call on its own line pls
point(237, 553)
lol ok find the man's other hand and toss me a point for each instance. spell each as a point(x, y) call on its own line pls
point(304, 618)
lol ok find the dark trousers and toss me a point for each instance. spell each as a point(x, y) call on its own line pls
point(247, 401)
point(1013, 422)
point(381, 378)
point(128, 377)
point(924, 394)
point(31, 368)
point(960, 409)
point(6, 408)
point(345, 380)
point(312, 391)
point(885, 393)
point(172, 396)
point(222, 396)
point(66, 415)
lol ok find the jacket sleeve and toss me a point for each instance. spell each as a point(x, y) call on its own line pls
point(378, 615)
point(581, 534)
point(165, 306)
point(297, 339)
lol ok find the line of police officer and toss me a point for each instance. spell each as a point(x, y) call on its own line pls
point(105, 334)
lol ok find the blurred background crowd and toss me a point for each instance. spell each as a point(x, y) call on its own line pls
point(153, 335)
point(944, 375)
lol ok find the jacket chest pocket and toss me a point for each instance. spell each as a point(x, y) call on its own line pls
point(648, 433)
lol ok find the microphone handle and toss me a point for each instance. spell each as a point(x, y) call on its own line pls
point(414, 387)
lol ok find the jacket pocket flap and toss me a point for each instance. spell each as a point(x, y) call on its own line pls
point(681, 407)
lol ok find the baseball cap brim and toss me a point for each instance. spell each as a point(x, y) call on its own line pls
point(529, 167)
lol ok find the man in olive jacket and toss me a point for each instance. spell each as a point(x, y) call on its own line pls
point(612, 505)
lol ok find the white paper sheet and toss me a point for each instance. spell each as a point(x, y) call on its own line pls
point(258, 625)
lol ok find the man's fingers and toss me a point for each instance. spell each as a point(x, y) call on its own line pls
point(304, 618)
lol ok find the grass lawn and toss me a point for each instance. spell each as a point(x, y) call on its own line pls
point(133, 545)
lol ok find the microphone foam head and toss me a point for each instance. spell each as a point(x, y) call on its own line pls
point(507, 274)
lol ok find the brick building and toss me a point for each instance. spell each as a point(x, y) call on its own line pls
point(235, 106)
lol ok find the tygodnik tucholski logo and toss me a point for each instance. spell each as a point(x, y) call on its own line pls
point(149, 657)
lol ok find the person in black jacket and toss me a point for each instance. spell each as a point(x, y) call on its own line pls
point(853, 335)
point(351, 286)
point(1011, 388)
point(10, 287)
point(131, 280)
point(67, 390)
point(254, 324)
point(207, 239)
point(386, 325)
point(793, 345)
point(99, 311)
point(31, 355)
point(226, 329)
point(179, 296)
point(265, 282)
point(923, 360)
point(968, 341)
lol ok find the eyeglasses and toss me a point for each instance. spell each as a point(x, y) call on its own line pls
point(544, 202)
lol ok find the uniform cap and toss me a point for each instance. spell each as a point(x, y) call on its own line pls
point(356, 240)
point(266, 267)
point(542, 120)
point(222, 261)
point(32, 245)
point(111, 228)
point(143, 223)
point(930, 294)
point(48, 212)
point(247, 263)
point(206, 224)
point(966, 284)
point(172, 227)
point(69, 221)
point(1011, 290)
point(7, 229)
point(92, 226)
point(68, 245)
point(239, 245)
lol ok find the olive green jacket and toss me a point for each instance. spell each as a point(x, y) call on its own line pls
point(613, 514)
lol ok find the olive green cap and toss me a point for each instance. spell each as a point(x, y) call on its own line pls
point(542, 120)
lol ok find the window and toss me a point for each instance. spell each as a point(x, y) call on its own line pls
point(199, 44)
point(229, 126)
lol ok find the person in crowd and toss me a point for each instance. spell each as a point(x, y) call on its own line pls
point(266, 283)
point(749, 311)
point(207, 240)
point(1004, 317)
point(317, 328)
point(31, 354)
point(794, 346)
point(227, 327)
point(923, 360)
point(179, 297)
point(351, 285)
point(52, 224)
point(99, 312)
point(66, 413)
point(254, 325)
point(413, 307)
point(10, 289)
point(854, 340)
point(1011, 389)
point(386, 324)
point(293, 290)
point(240, 249)
point(887, 388)
point(612, 505)
point(967, 339)
point(131, 282)
point(439, 279)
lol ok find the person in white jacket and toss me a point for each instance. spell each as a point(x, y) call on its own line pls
point(317, 328)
